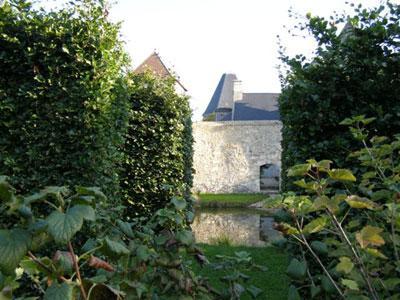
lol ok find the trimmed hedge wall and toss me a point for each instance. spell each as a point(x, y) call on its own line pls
point(65, 104)
point(158, 145)
point(62, 96)
point(354, 73)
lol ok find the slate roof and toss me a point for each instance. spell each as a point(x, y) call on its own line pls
point(223, 95)
point(253, 106)
point(154, 64)
point(257, 106)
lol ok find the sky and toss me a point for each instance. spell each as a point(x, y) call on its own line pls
point(202, 39)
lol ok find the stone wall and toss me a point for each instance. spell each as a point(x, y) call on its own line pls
point(228, 155)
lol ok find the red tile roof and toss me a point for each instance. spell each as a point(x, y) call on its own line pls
point(154, 64)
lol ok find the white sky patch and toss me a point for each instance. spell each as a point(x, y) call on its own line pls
point(202, 39)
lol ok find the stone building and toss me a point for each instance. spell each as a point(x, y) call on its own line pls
point(238, 143)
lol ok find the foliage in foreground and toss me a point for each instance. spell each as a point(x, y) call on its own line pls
point(352, 73)
point(347, 242)
point(117, 259)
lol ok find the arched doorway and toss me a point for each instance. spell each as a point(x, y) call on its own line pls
point(269, 177)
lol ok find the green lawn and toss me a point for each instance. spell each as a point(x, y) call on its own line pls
point(273, 282)
point(229, 200)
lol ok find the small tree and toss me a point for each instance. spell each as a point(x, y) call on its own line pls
point(354, 72)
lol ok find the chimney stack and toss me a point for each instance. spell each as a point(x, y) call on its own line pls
point(237, 90)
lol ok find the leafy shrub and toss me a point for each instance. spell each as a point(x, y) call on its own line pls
point(347, 243)
point(123, 260)
point(352, 73)
point(158, 145)
point(63, 97)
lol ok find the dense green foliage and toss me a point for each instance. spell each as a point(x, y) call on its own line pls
point(62, 96)
point(122, 260)
point(346, 244)
point(158, 145)
point(352, 73)
point(70, 114)
point(272, 281)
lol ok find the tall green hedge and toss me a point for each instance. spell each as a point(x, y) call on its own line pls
point(353, 73)
point(62, 96)
point(158, 145)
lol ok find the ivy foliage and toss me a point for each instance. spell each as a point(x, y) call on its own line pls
point(158, 145)
point(354, 72)
point(62, 95)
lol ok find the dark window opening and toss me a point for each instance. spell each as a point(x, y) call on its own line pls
point(269, 177)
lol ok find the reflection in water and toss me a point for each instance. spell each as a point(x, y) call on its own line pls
point(237, 226)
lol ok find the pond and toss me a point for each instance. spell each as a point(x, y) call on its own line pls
point(238, 226)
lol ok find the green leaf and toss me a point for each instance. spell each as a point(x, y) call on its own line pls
point(126, 228)
point(185, 237)
point(143, 253)
point(6, 190)
point(179, 204)
point(319, 247)
point(375, 253)
point(254, 291)
point(360, 203)
point(315, 291)
point(91, 191)
point(391, 283)
point(299, 170)
point(345, 265)
point(116, 247)
point(56, 291)
point(63, 226)
point(296, 269)
point(316, 225)
point(351, 284)
point(327, 285)
point(370, 235)
point(341, 175)
point(56, 192)
point(87, 212)
point(312, 186)
point(14, 244)
point(293, 293)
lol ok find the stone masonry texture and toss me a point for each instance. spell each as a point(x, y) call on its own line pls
point(228, 155)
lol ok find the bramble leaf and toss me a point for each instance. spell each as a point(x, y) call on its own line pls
point(14, 244)
point(316, 225)
point(345, 265)
point(63, 226)
point(351, 284)
point(360, 202)
point(185, 237)
point(299, 170)
point(297, 269)
point(341, 175)
point(370, 235)
point(116, 247)
point(58, 291)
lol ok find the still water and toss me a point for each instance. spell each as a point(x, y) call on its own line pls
point(235, 226)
